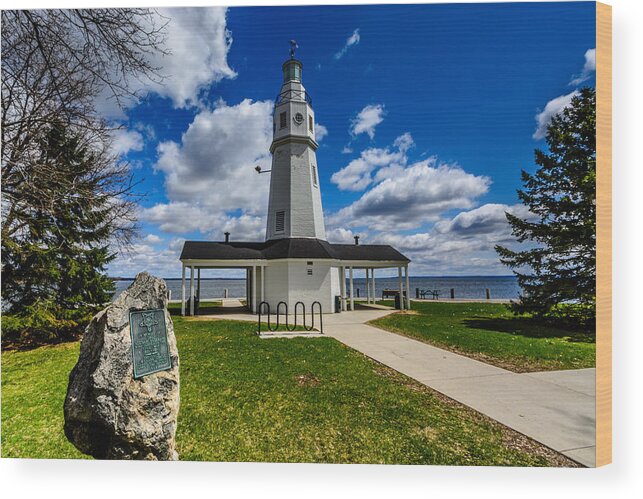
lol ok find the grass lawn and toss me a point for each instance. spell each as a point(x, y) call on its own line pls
point(205, 307)
point(280, 400)
point(491, 333)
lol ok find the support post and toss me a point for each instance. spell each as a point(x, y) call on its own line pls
point(192, 290)
point(408, 293)
point(342, 287)
point(182, 289)
point(253, 308)
point(248, 287)
point(198, 284)
point(263, 282)
point(368, 285)
point(399, 281)
point(350, 278)
point(373, 284)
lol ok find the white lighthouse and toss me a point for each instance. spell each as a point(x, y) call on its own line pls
point(295, 263)
point(294, 206)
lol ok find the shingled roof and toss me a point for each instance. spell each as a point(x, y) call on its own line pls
point(303, 248)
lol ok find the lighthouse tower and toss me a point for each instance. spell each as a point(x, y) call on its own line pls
point(295, 264)
point(294, 206)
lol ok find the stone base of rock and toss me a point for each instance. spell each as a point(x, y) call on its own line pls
point(108, 413)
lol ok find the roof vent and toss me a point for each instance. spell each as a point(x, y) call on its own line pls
point(227, 237)
point(356, 240)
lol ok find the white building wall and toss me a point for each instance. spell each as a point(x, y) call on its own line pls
point(334, 286)
point(295, 190)
point(276, 286)
point(309, 288)
point(294, 182)
point(296, 104)
point(290, 282)
point(279, 199)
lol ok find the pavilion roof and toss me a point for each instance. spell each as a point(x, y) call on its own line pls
point(303, 248)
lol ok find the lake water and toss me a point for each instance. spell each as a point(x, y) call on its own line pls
point(504, 287)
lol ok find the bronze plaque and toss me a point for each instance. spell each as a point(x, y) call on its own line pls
point(150, 349)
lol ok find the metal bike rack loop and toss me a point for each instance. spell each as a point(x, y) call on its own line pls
point(290, 328)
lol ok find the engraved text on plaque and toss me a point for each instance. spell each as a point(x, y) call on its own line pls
point(150, 349)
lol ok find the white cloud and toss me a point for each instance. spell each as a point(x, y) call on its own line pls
point(552, 108)
point(350, 41)
point(588, 68)
point(198, 42)
point(160, 262)
point(210, 179)
point(176, 244)
point(245, 227)
point(367, 119)
point(177, 217)
point(556, 105)
point(320, 132)
point(152, 239)
point(214, 163)
point(182, 217)
point(404, 142)
point(340, 235)
point(408, 196)
point(356, 176)
point(146, 129)
point(402, 196)
point(487, 219)
point(462, 245)
point(124, 141)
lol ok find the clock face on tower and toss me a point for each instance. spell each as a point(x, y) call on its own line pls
point(299, 118)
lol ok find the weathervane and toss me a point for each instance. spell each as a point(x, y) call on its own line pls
point(293, 47)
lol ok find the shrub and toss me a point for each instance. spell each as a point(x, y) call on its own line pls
point(43, 323)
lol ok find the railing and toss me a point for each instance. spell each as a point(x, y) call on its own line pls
point(301, 95)
point(273, 328)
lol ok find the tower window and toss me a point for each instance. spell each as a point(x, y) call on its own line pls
point(280, 222)
point(314, 173)
point(282, 120)
point(310, 123)
point(292, 71)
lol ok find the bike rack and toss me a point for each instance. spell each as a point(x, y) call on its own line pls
point(273, 328)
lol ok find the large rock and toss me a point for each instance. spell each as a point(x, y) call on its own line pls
point(108, 413)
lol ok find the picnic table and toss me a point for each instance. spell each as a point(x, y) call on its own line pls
point(434, 294)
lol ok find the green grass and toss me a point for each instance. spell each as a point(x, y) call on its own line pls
point(205, 307)
point(491, 333)
point(34, 384)
point(283, 400)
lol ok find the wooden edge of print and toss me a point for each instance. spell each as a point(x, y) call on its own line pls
point(603, 234)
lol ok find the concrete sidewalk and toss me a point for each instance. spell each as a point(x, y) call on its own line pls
point(556, 408)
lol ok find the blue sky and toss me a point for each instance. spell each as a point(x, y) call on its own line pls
point(427, 112)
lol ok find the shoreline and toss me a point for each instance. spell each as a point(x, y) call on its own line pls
point(420, 300)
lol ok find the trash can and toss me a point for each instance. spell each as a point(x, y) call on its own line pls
point(338, 304)
point(397, 302)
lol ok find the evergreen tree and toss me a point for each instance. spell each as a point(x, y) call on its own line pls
point(53, 274)
point(557, 271)
point(64, 194)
